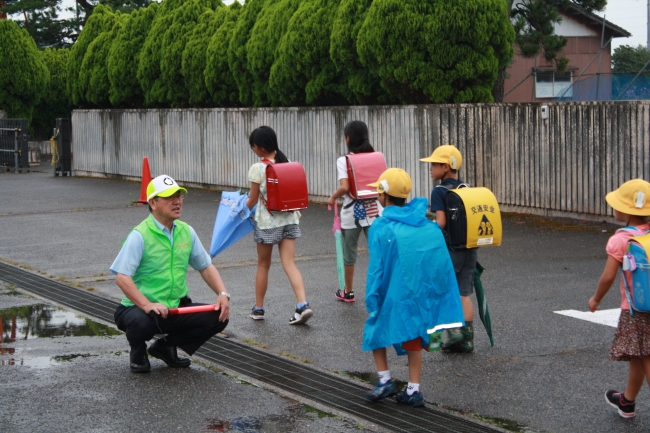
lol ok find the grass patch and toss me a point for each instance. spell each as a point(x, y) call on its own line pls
point(296, 358)
point(319, 413)
point(255, 343)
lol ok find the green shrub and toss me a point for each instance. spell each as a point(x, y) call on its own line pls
point(124, 57)
point(271, 24)
point(303, 72)
point(194, 59)
point(94, 84)
point(148, 73)
point(176, 38)
point(363, 86)
point(237, 59)
point(435, 50)
point(101, 20)
point(55, 102)
point(218, 77)
point(23, 74)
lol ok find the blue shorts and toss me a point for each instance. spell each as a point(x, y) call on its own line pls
point(464, 263)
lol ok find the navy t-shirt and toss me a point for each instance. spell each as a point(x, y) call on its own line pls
point(438, 194)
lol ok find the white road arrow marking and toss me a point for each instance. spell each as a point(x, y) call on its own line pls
point(602, 317)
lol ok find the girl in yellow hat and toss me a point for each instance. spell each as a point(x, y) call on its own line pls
point(631, 203)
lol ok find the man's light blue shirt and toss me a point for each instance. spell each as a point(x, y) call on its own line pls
point(128, 260)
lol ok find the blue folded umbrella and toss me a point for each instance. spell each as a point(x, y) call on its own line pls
point(233, 221)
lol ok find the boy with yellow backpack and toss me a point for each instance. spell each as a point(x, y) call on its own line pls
point(470, 218)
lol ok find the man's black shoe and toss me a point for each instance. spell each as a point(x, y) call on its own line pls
point(144, 367)
point(168, 355)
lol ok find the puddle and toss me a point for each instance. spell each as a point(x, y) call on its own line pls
point(47, 321)
point(272, 423)
point(43, 361)
point(371, 378)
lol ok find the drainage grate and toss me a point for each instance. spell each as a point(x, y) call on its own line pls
point(294, 377)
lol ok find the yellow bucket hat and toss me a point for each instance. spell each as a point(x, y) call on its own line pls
point(632, 198)
point(394, 182)
point(163, 186)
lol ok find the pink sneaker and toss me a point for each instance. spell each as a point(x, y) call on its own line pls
point(344, 296)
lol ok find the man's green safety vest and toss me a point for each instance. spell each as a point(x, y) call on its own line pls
point(163, 268)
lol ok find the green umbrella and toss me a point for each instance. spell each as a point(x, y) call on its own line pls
point(483, 311)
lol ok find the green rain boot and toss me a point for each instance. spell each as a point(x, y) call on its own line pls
point(454, 338)
point(467, 345)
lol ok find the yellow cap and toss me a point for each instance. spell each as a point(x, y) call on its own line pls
point(632, 198)
point(163, 186)
point(446, 154)
point(394, 182)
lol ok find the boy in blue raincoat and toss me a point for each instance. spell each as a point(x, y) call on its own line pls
point(411, 288)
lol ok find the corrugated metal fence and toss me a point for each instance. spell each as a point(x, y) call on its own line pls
point(561, 165)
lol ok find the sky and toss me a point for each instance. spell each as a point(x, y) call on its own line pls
point(628, 14)
point(632, 16)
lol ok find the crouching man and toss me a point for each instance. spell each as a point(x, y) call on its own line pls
point(151, 270)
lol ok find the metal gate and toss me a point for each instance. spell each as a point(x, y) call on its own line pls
point(14, 151)
point(62, 152)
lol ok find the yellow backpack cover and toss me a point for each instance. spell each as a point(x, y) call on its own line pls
point(473, 218)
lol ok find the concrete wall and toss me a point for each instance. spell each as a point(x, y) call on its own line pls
point(562, 165)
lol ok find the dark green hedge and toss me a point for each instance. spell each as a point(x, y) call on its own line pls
point(200, 53)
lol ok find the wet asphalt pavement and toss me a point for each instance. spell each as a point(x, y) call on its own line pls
point(546, 372)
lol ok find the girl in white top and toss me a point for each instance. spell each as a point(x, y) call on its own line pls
point(356, 215)
point(279, 228)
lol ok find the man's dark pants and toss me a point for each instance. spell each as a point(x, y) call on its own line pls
point(187, 331)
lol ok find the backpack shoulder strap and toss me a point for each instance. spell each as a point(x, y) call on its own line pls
point(630, 229)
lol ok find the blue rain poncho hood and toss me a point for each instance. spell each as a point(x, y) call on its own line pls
point(411, 286)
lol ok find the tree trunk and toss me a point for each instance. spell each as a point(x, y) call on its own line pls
point(499, 86)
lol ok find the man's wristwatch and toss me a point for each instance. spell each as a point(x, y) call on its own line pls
point(226, 294)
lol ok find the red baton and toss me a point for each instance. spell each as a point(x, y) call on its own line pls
point(194, 309)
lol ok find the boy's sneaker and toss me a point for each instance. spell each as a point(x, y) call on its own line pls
point(257, 314)
point(615, 399)
point(301, 315)
point(344, 296)
point(414, 400)
point(382, 390)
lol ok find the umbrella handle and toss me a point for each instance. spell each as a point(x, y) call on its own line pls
point(336, 208)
